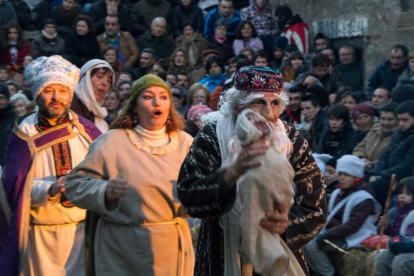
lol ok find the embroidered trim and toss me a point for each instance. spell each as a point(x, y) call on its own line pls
point(137, 141)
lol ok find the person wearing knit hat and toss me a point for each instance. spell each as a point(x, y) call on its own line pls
point(331, 178)
point(353, 215)
point(279, 45)
point(45, 232)
point(363, 119)
point(96, 79)
point(215, 165)
point(128, 179)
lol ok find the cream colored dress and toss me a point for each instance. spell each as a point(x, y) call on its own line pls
point(139, 234)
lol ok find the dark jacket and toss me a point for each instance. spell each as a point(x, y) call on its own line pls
point(356, 138)
point(359, 213)
point(214, 15)
point(80, 108)
point(225, 49)
point(329, 82)
point(351, 75)
point(82, 48)
point(163, 46)
point(30, 20)
point(335, 143)
point(43, 46)
point(139, 72)
point(319, 125)
point(98, 12)
point(7, 13)
point(384, 76)
point(144, 11)
point(398, 158)
point(192, 13)
point(406, 77)
point(7, 118)
point(65, 19)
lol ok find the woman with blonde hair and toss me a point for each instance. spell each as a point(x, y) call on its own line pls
point(128, 179)
point(198, 94)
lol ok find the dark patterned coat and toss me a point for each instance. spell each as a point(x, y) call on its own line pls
point(205, 194)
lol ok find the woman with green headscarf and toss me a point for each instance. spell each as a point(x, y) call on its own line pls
point(128, 178)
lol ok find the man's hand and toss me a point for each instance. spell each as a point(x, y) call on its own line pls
point(58, 187)
point(276, 222)
point(310, 81)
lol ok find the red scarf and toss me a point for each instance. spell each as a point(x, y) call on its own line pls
point(295, 119)
point(355, 183)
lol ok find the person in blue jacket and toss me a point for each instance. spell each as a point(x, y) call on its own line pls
point(215, 73)
point(225, 11)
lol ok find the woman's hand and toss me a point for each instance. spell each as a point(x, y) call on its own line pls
point(276, 222)
point(244, 161)
point(115, 188)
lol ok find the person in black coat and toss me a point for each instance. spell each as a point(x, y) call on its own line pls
point(221, 42)
point(7, 118)
point(398, 158)
point(335, 139)
point(187, 11)
point(82, 44)
point(65, 15)
point(101, 8)
point(31, 19)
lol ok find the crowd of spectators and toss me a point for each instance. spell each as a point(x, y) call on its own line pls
point(197, 46)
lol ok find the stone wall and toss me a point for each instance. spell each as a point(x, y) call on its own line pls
point(388, 23)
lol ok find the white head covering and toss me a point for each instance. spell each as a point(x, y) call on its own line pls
point(350, 164)
point(44, 71)
point(84, 91)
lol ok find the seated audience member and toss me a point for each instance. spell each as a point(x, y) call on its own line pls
point(179, 61)
point(113, 105)
point(215, 73)
point(336, 138)
point(313, 119)
point(408, 75)
point(127, 49)
point(110, 55)
point(20, 103)
point(398, 259)
point(331, 178)
point(349, 70)
point(102, 8)
point(380, 97)
point(260, 13)
point(194, 122)
point(232, 67)
point(14, 45)
point(156, 38)
point(12, 86)
point(363, 120)
point(293, 28)
point(124, 76)
point(199, 74)
point(143, 13)
point(378, 138)
point(158, 72)
point(146, 61)
point(353, 213)
point(7, 13)
point(7, 121)
point(225, 11)
point(65, 15)
point(171, 78)
point(289, 67)
point(388, 72)
point(293, 111)
point(178, 99)
point(198, 94)
point(279, 45)
point(187, 10)
point(246, 36)
point(4, 74)
point(348, 99)
point(182, 79)
point(18, 76)
point(249, 53)
point(320, 43)
point(31, 16)
point(193, 43)
point(124, 89)
point(262, 59)
point(398, 158)
point(82, 45)
point(220, 42)
point(330, 53)
point(49, 43)
point(402, 93)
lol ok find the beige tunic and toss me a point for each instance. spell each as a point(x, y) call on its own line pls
point(136, 234)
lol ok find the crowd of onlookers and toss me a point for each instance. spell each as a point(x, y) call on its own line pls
point(197, 46)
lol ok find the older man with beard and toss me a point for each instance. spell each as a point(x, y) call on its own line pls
point(207, 185)
point(41, 232)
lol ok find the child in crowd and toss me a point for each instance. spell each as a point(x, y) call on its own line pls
point(400, 252)
point(4, 73)
point(353, 213)
point(331, 178)
point(262, 59)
